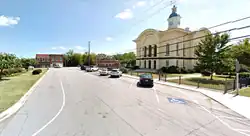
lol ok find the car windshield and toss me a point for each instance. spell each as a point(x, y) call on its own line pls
point(146, 76)
point(114, 70)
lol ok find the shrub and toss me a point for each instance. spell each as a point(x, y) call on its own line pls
point(36, 72)
point(206, 73)
point(163, 69)
point(173, 69)
point(190, 71)
point(244, 74)
point(124, 70)
point(183, 71)
point(135, 67)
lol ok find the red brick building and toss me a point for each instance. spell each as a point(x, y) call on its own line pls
point(49, 60)
point(108, 63)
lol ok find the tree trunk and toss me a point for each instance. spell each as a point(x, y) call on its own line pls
point(1, 73)
point(211, 76)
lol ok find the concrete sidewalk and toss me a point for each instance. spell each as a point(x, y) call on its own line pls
point(237, 104)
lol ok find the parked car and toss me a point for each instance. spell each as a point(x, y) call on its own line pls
point(83, 67)
point(104, 72)
point(94, 68)
point(115, 73)
point(146, 79)
point(88, 69)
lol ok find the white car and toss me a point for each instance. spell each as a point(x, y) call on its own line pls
point(94, 68)
point(103, 72)
point(115, 73)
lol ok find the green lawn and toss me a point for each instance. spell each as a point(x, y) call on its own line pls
point(217, 83)
point(13, 88)
point(245, 92)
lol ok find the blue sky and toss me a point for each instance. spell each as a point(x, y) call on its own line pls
point(54, 26)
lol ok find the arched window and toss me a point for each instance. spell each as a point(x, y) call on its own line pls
point(155, 50)
point(145, 51)
point(149, 64)
point(145, 64)
point(150, 51)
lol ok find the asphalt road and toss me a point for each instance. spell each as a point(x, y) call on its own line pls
point(70, 102)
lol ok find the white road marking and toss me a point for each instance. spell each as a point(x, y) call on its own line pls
point(205, 109)
point(243, 130)
point(156, 95)
point(58, 113)
point(132, 83)
point(234, 118)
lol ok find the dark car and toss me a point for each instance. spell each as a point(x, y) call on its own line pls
point(146, 80)
point(83, 67)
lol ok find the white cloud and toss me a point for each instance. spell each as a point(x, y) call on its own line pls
point(126, 14)
point(79, 47)
point(141, 3)
point(63, 48)
point(8, 21)
point(54, 48)
point(109, 39)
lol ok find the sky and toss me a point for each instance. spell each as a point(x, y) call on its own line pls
point(55, 26)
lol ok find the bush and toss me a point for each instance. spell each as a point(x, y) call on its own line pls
point(135, 67)
point(206, 73)
point(190, 71)
point(173, 69)
point(163, 69)
point(183, 71)
point(124, 70)
point(244, 74)
point(36, 72)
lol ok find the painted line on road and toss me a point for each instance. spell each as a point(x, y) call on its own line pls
point(156, 95)
point(58, 113)
point(224, 123)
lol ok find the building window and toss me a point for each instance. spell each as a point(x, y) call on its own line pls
point(167, 63)
point(139, 63)
point(149, 64)
point(154, 64)
point(145, 64)
point(177, 63)
point(167, 50)
point(155, 50)
point(177, 49)
point(145, 51)
point(150, 51)
point(52, 58)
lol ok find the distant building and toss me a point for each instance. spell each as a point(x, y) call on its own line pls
point(108, 63)
point(174, 46)
point(49, 60)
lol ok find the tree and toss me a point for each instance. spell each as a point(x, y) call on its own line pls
point(241, 52)
point(126, 59)
point(92, 59)
point(212, 54)
point(6, 61)
point(26, 62)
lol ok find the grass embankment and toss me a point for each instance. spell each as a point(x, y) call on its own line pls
point(14, 87)
point(217, 83)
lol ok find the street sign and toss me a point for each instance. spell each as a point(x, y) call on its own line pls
point(177, 100)
point(237, 66)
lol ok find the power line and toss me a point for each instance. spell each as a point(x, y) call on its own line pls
point(231, 39)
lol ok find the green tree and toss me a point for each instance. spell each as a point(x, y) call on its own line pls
point(26, 62)
point(6, 61)
point(241, 52)
point(212, 54)
point(92, 59)
point(126, 59)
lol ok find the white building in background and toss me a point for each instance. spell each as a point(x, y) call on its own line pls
point(174, 46)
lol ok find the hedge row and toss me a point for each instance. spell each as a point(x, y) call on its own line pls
point(9, 72)
point(176, 69)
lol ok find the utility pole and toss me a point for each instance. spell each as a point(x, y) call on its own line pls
point(89, 54)
point(237, 68)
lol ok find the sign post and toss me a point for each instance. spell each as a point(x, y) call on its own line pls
point(237, 68)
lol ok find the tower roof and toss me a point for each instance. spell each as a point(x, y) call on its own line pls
point(174, 14)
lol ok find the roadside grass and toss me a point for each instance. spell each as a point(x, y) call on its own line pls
point(218, 82)
point(244, 92)
point(14, 87)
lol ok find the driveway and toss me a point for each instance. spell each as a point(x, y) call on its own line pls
point(71, 102)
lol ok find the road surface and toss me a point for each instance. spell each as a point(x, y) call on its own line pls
point(71, 102)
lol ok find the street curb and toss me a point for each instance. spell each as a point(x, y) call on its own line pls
point(193, 90)
point(14, 108)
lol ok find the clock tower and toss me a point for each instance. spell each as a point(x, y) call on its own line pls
point(174, 19)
